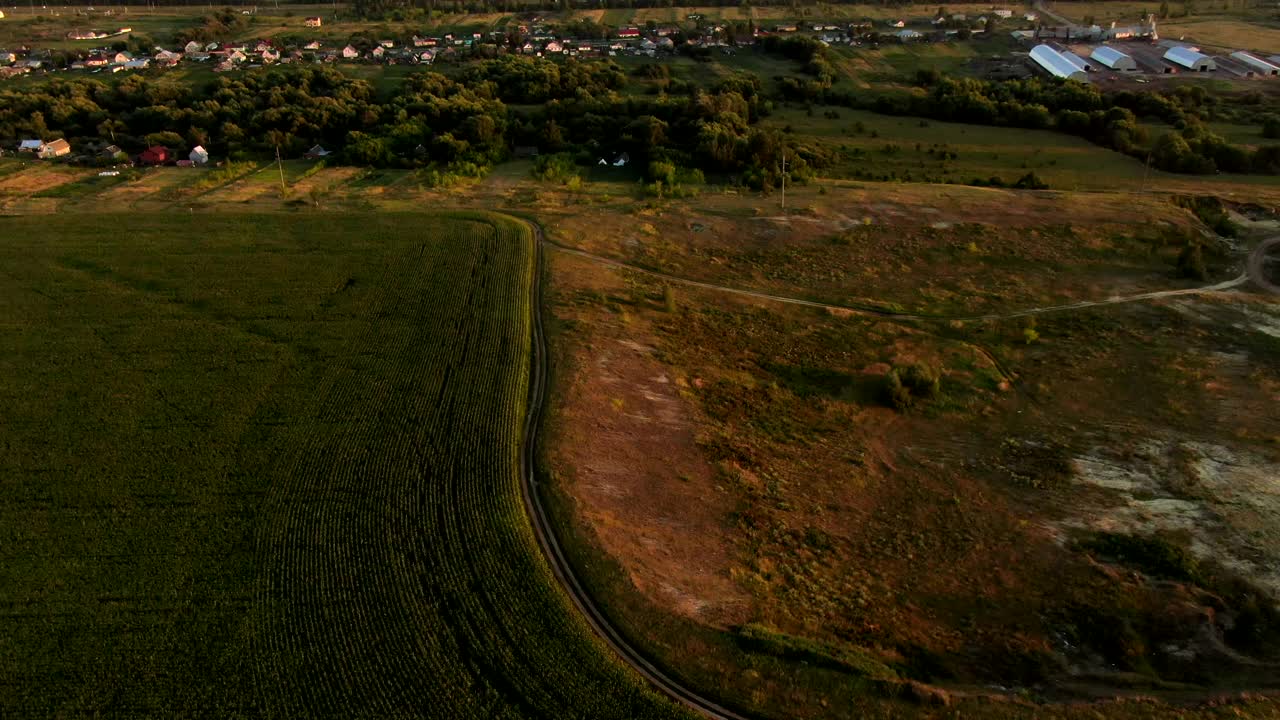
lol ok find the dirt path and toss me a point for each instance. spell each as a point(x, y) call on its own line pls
point(1040, 8)
point(1255, 268)
point(880, 311)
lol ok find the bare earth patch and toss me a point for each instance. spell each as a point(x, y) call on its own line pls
point(624, 441)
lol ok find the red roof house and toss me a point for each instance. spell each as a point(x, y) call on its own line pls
point(154, 155)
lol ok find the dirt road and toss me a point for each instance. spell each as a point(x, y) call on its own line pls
point(882, 311)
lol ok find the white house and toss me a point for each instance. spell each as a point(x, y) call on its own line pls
point(1002, 14)
point(554, 47)
point(312, 22)
point(191, 47)
point(350, 53)
point(30, 145)
point(270, 55)
point(377, 52)
point(199, 155)
point(908, 35)
point(313, 45)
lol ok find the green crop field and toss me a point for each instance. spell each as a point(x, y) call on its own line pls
point(269, 465)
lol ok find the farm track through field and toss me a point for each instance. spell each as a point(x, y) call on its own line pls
point(885, 312)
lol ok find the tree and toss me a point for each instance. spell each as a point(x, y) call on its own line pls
point(1164, 9)
point(1271, 127)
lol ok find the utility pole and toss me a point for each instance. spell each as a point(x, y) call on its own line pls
point(280, 167)
point(1146, 170)
point(784, 182)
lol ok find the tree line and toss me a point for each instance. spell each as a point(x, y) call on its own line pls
point(463, 125)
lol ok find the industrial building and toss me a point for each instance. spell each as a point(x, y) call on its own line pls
point(1076, 60)
point(1054, 63)
point(1257, 64)
point(1113, 59)
point(1190, 59)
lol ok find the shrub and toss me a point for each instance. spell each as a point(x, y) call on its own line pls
point(905, 386)
point(1191, 262)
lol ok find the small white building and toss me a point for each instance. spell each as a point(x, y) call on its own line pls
point(199, 155)
point(1052, 62)
point(350, 53)
point(1193, 60)
point(1255, 63)
point(1002, 14)
point(192, 47)
point(908, 35)
point(1113, 59)
point(312, 22)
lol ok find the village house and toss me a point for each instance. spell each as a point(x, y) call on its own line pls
point(315, 153)
point(97, 61)
point(154, 155)
point(377, 52)
point(553, 47)
point(30, 146)
point(262, 46)
point(350, 53)
point(270, 55)
point(7, 58)
point(313, 45)
point(387, 43)
point(426, 56)
point(191, 47)
point(167, 58)
point(199, 155)
point(55, 149)
point(421, 42)
point(121, 57)
point(312, 22)
point(629, 32)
